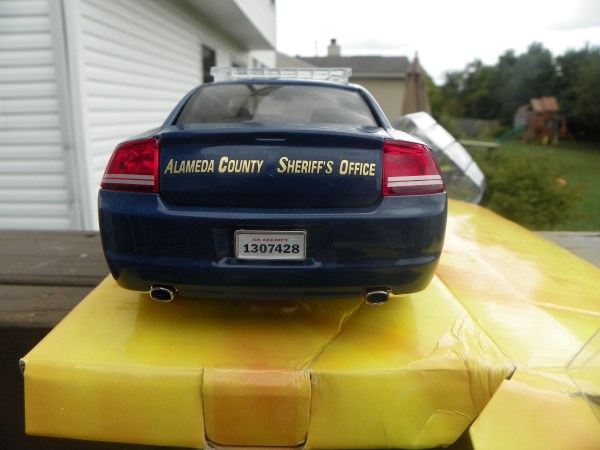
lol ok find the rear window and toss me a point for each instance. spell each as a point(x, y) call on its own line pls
point(228, 103)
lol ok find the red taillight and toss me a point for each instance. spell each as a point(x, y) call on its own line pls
point(410, 168)
point(133, 166)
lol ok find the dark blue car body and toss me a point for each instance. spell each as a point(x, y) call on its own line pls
point(240, 203)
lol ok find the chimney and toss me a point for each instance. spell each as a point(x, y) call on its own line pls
point(333, 49)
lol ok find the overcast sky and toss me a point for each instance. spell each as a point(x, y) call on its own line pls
point(447, 34)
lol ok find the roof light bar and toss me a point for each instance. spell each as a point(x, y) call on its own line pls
point(338, 74)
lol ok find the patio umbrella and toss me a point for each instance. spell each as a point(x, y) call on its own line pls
point(416, 98)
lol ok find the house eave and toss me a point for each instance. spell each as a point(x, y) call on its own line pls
point(225, 13)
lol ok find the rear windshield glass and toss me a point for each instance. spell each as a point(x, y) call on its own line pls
point(276, 103)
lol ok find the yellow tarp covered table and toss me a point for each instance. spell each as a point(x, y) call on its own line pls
point(332, 373)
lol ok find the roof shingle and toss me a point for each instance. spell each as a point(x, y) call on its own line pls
point(365, 66)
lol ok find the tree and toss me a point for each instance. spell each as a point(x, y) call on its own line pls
point(445, 100)
point(505, 84)
point(496, 92)
point(520, 78)
point(478, 95)
point(580, 90)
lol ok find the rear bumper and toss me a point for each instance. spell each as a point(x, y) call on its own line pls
point(395, 245)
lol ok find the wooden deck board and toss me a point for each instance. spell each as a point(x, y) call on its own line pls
point(585, 244)
point(38, 306)
point(51, 258)
point(43, 276)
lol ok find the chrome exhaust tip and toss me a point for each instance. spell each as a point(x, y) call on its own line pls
point(162, 293)
point(377, 296)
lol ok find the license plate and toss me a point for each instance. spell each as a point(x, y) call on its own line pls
point(270, 245)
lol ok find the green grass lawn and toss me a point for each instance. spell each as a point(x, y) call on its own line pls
point(576, 163)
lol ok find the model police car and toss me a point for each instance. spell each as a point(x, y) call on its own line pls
point(273, 183)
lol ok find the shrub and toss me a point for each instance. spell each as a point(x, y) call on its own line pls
point(527, 190)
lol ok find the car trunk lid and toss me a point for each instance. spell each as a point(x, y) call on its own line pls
point(258, 167)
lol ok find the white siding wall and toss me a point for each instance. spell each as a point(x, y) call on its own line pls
point(34, 186)
point(79, 76)
point(262, 14)
point(138, 58)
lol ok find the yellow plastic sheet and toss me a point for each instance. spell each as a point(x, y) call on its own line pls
point(413, 374)
point(537, 408)
point(332, 373)
point(584, 371)
point(538, 302)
